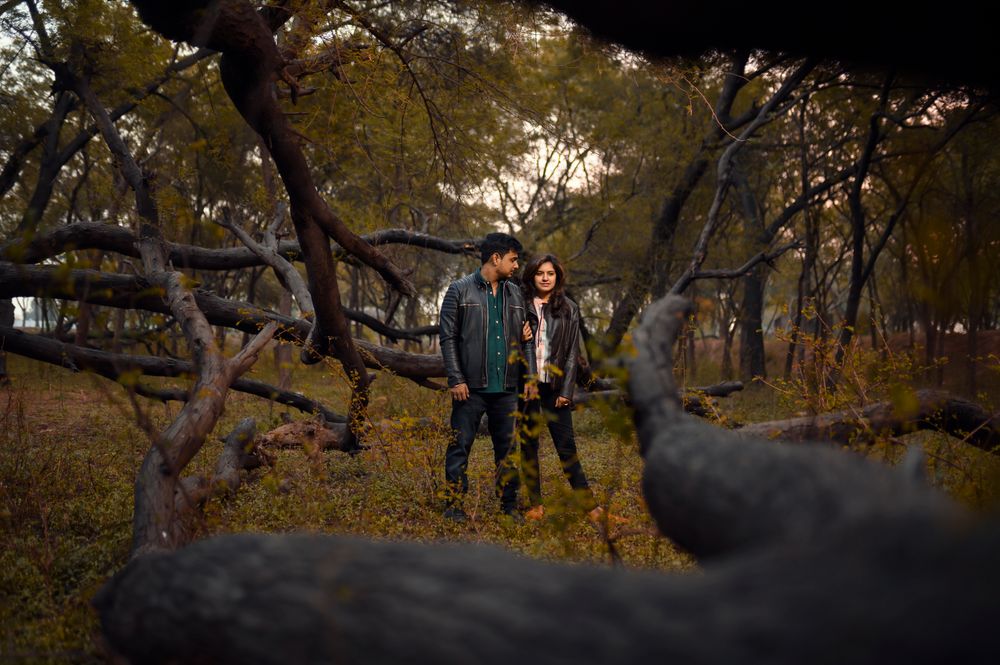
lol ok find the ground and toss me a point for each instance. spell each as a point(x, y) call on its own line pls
point(70, 446)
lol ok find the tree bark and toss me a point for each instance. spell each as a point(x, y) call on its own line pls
point(752, 362)
point(155, 525)
point(131, 292)
point(934, 410)
point(115, 366)
point(283, 350)
point(6, 320)
point(118, 239)
point(238, 453)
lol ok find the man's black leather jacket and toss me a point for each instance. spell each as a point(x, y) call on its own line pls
point(563, 332)
point(463, 333)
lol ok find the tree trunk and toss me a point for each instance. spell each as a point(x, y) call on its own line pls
point(858, 221)
point(48, 169)
point(7, 320)
point(752, 363)
point(727, 352)
point(933, 410)
point(653, 276)
point(972, 355)
point(802, 285)
point(752, 359)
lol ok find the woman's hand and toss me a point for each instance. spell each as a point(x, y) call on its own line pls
point(526, 332)
point(562, 401)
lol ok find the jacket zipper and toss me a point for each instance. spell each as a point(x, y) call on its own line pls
point(486, 334)
point(502, 316)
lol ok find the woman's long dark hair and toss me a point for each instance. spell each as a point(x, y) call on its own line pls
point(557, 301)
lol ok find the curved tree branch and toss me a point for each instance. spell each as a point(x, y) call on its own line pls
point(124, 367)
point(155, 524)
point(15, 162)
point(283, 269)
point(133, 292)
point(118, 239)
point(724, 170)
point(717, 493)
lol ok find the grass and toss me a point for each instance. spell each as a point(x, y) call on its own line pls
point(69, 449)
point(70, 446)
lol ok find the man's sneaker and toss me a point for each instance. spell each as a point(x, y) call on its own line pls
point(455, 514)
point(514, 515)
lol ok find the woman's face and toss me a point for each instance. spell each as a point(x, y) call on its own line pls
point(545, 279)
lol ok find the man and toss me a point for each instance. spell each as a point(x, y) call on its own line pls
point(482, 319)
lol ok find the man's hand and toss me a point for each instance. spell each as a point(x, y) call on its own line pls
point(460, 393)
point(531, 390)
point(562, 401)
point(526, 332)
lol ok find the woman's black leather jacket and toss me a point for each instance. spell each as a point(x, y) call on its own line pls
point(564, 344)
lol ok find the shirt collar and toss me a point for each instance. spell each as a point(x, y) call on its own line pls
point(482, 280)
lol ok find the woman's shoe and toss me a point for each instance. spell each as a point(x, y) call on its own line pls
point(597, 516)
point(535, 512)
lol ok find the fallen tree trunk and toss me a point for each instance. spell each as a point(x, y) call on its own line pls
point(130, 292)
point(932, 410)
point(310, 435)
point(694, 400)
point(239, 453)
point(717, 493)
point(121, 240)
point(307, 599)
point(117, 365)
point(724, 389)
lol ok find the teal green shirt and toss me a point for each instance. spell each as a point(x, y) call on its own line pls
point(496, 342)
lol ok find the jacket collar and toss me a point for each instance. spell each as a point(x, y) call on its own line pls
point(478, 278)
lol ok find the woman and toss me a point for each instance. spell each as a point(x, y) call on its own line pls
point(554, 323)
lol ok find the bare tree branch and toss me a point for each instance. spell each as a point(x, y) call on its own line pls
point(724, 170)
point(933, 410)
point(132, 292)
point(118, 239)
point(283, 269)
point(752, 262)
point(154, 520)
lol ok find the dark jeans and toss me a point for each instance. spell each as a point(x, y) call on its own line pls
point(560, 422)
point(465, 416)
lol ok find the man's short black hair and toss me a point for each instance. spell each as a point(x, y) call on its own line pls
point(498, 243)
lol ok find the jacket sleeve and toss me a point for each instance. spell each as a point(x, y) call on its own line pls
point(572, 353)
point(449, 327)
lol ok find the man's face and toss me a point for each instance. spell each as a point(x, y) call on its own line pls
point(507, 264)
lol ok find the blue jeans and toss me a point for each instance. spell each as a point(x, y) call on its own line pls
point(465, 416)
